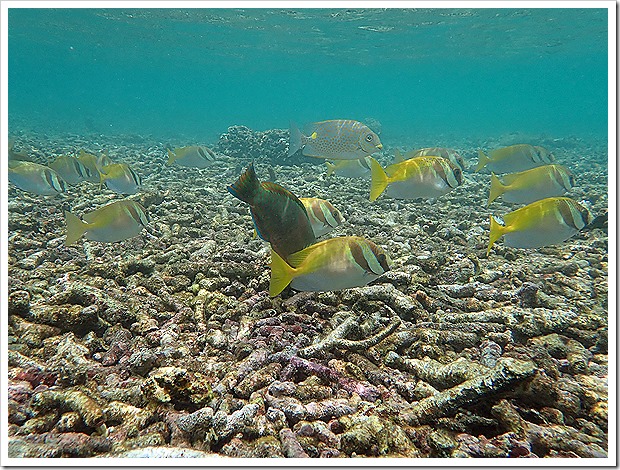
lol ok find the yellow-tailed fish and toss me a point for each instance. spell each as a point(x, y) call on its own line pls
point(420, 177)
point(193, 156)
point(444, 152)
point(514, 158)
point(331, 265)
point(531, 185)
point(280, 218)
point(541, 223)
point(35, 178)
point(94, 164)
point(349, 168)
point(339, 139)
point(111, 223)
point(71, 169)
point(324, 217)
point(120, 178)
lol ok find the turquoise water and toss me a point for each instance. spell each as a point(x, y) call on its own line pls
point(420, 72)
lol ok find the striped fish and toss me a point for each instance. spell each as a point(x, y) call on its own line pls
point(34, 178)
point(420, 177)
point(514, 158)
point(193, 156)
point(120, 178)
point(545, 222)
point(323, 216)
point(113, 222)
point(349, 168)
point(331, 265)
point(94, 164)
point(71, 169)
point(531, 185)
point(444, 152)
point(339, 139)
point(279, 216)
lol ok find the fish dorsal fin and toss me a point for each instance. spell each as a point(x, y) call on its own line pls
point(398, 157)
point(298, 258)
point(277, 189)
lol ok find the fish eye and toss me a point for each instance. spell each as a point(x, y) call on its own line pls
point(369, 138)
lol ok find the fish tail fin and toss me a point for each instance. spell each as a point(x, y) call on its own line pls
point(102, 177)
point(497, 188)
point(330, 168)
point(482, 161)
point(171, 156)
point(398, 157)
point(497, 231)
point(295, 139)
point(75, 228)
point(281, 274)
point(379, 179)
point(247, 186)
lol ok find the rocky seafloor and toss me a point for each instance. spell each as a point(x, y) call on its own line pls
point(168, 344)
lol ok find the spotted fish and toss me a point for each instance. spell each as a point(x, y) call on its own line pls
point(114, 222)
point(420, 177)
point(514, 158)
point(323, 216)
point(531, 185)
point(331, 265)
point(279, 216)
point(541, 223)
point(339, 139)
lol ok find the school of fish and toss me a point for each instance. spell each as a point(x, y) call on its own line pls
point(520, 174)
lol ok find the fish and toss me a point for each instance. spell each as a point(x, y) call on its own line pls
point(324, 217)
point(193, 156)
point(35, 178)
point(514, 158)
point(279, 217)
point(531, 185)
point(546, 222)
point(444, 152)
point(94, 163)
point(120, 178)
point(420, 177)
point(113, 222)
point(349, 168)
point(331, 265)
point(71, 169)
point(339, 139)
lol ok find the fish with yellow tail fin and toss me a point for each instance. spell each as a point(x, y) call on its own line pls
point(444, 152)
point(531, 185)
point(420, 177)
point(34, 178)
point(280, 218)
point(70, 169)
point(339, 139)
point(349, 168)
point(193, 156)
point(541, 223)
point(120, 178)
point(111, 223)
point(324, 217)
point(514, 158)
point(331, 265)
point(94, 164)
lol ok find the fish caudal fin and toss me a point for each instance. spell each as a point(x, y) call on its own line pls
point(295, 140)
point(247, 186)
point(379, 179)
point(171, 157)
point(330, 168)
point(281, 274)
point(497, 231)
point(482, 161)
point(75, 228)
point(497, 189)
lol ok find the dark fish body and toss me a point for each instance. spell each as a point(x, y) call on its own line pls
point(279, 216)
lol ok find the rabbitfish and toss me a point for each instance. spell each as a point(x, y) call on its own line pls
point(34, 178)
